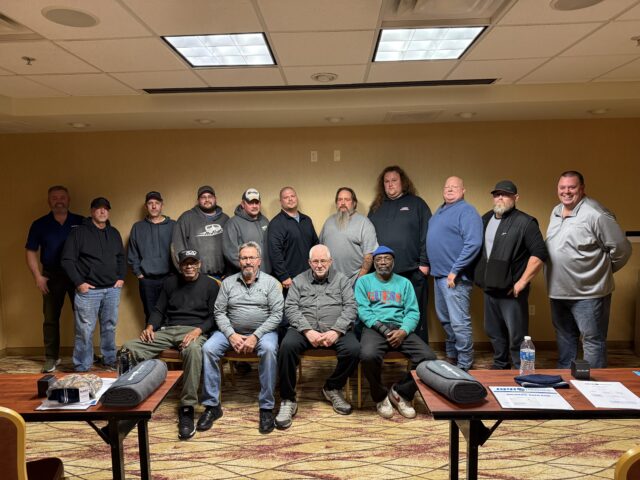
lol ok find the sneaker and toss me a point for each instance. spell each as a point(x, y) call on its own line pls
point(109, 367)
point(384, 408)
point(186, 428)
point(210, 415)
point(404, 407)
point(266, 421)
point(340, 405)
point(288, 409)
point(50, 365)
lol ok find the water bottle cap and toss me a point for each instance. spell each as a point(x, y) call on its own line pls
point(527, 338)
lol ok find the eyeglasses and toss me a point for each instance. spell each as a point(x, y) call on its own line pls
point(502, 194)
point(248, 259)
point(320, 262)
point(189, 265)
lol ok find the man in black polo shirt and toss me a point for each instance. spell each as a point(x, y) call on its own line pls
point(47, 235)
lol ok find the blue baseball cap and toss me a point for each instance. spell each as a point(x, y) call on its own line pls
point(382, 249)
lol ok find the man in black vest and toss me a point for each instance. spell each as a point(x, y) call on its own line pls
point(512, 254)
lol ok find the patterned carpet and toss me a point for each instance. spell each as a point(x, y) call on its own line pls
point(324, 445)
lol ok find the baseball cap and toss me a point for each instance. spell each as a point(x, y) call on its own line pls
point(505, 186)
point(206, 189)
point(382, 249)
point(153, 195)
point(100, 202)
point(251, 194)
point(187, 254)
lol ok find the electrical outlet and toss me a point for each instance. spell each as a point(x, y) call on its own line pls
point(314, 156)
point(336, 155)
point(532, 310)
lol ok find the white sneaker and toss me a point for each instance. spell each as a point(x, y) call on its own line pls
point(288, 409)
point(385, 410)
point(405, 408)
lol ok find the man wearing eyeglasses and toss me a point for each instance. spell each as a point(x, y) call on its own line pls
point(248, 311)
point(182, 318)
point(321, 310)
point(512, 254)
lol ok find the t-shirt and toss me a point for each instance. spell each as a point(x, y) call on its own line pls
point(490, 234)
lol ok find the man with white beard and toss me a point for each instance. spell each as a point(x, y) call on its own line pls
point(350, 237)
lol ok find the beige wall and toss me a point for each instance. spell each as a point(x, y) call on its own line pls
point(123, 166)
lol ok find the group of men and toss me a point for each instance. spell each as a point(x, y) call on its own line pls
point(242, 280)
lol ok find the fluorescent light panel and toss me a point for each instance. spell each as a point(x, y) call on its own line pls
point(237, 49)
point(405, 44)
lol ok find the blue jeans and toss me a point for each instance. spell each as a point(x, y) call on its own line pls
point(102, 304)
point(214, 349)
point(452, 307)
point(588, 318)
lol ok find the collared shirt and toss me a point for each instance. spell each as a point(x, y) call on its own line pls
point(47, 235)
point(321, 305)
point(249, 309)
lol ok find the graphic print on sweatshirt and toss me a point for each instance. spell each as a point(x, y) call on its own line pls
point(386, 297)
point(210, 230)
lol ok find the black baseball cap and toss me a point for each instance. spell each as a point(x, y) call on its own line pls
point(506, 186)
point(100, 202)
point(153, 195)
point(206, 189)
point(187, 254)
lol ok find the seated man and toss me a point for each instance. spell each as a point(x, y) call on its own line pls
point(182, 318)
point(387, 306)
point(321, 310)
point(248, 311)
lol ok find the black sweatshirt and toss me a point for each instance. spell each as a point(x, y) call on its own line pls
point(186, 303)
point(289, 242)
point(93, 255)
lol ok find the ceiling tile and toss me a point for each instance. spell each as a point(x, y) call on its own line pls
point(242, 77)
point(528, 42)
point(131, 55)
point(506, 71)
point(113, 20)
point(529, 12)
point(633, 14)
point(347, 74)
point(177, 79)
point(49, 58)
point(326, 15)
point(92, 84)
point(194, 17)
point(21, 87)
point(326, 48)
point(630, 71)
point(614, 38)
point(575, 69)
point(5, 72)
point(410, 71)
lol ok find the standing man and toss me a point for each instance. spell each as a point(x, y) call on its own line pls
point(48, 234)
point(454, 239)
point(201, 229)
point(388, 308)
point(247, 225)
point(291, 235)
point(248, 310)
point(93, 258)
point(182, 318)
point(350, 236)
point(401, 219)
point(512, 255)
point(149, 251)
point(322, 310)
point(586, 246)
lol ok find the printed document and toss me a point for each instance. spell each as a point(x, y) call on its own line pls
point(607, 394)
point(53, 405)
point(530, 398)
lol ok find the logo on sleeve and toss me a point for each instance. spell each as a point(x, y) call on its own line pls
point(404, 209)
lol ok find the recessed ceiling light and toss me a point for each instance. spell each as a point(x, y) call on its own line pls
point(237, 49)
point(324, 77)
point(79, 125)
point(466, 114)
point(204, 121)
point(568, 5)
point(406, 44)
point(69, 17)
point(334, 119)
point(598, 111)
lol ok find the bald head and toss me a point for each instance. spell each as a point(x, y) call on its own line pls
point(453, 190)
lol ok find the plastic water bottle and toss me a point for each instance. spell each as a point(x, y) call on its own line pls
point(527, 357)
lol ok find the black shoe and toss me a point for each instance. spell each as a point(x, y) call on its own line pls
point(242, 368)
point(267, 422)
point(186, 427)
point(210, 415)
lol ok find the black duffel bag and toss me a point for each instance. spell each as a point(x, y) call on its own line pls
point(451, 381)
point(136, 385)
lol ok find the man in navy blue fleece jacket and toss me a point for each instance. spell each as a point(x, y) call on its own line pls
point(454, 239)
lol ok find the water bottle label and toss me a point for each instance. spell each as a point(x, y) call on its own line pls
point(527, 355)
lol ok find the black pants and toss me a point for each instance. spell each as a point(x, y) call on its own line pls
point(421, 289)
point(59, 286)
point(373, 347)
point(294, 343)
point(506, 321)
point(150, 289)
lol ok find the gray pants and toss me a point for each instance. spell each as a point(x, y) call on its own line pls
point(506, 321)
point(191, 357)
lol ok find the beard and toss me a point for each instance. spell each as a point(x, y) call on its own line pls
point(208, 210)
point(342, 218)
point(501, 209)
point(247, 273)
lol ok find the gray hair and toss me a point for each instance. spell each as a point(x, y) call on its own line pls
point(317, 246)
point(250, 245)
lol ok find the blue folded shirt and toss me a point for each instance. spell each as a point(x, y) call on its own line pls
point(538, 380)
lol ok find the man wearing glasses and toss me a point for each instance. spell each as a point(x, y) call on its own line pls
point(182, 318)
point(248, 311)
point(512, 254)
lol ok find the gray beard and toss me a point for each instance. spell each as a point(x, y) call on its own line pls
point(501, 209)
point(247, 274)
point(342, 219)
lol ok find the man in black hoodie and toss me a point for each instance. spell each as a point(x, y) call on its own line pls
point(93, 258)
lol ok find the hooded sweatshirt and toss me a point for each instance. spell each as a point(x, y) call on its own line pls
point(240, 229)
point(149, 247)
point(197, 230)
point(93, 255)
